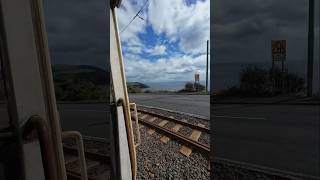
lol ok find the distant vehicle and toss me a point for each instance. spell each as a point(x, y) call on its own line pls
point(32, 146)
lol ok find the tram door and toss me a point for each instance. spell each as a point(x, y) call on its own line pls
point(128, 166)
point(32, 138)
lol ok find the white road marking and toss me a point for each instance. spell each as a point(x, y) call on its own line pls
point(242, 117)
point(84, 110)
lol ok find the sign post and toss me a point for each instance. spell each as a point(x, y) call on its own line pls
point(310, 48)
point(279, 54)
point(279, 48)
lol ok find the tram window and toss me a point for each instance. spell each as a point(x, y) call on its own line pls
point(77, 35)
point(78, 44)
point(263, 114)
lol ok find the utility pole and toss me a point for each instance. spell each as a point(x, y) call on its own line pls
point(207, 65)
point(310, 48)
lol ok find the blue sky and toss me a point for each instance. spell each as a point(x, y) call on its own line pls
point(169, 44)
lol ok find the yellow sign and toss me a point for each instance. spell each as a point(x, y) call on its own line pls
point(197, 77)
point(279, 48)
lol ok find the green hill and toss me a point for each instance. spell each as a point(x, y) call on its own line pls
point(83, 82)
point(85, 73)
point(79, 82)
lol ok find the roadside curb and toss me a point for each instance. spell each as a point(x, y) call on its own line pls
point(82, 102)
point(287, 101)
point(270, 103)
point(265, 170)
point(178, 112)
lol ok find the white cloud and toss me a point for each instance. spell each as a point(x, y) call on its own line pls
point(157, 50)
point(178, 68)
point(136, 49)
point(190, 24)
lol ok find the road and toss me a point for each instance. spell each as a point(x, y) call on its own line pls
point(89, 119)
point(284, 137)
point(194, 104)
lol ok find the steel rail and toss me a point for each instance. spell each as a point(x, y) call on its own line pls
point(177, 121)
point(184, 140)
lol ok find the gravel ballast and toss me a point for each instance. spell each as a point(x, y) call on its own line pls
point(158, 160)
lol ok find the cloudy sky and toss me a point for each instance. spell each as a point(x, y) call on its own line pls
point(243, 31)
point(77, 31)
point(168, 43)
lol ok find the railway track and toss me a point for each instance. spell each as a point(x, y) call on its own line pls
point(97, 159)
point(172, 128)
point(97, 149)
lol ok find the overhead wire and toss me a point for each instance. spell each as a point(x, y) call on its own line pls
point(137, 15)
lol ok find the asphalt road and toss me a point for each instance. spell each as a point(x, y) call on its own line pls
point(284, 137)
point(194, 104)
point(89, 119)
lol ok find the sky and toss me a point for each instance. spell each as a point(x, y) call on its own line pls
point(243, 31)
point(169, 44)
point(246, 28)
point(77, 32)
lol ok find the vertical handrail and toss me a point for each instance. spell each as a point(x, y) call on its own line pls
point(41, 126)
point(134, 106)
point(41, 42)
point(77, 136)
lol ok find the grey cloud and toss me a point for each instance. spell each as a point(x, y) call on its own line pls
point(243, 29)
point(77, 31)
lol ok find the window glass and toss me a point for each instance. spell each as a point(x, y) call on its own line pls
point(262, 114)
point(78, 44)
